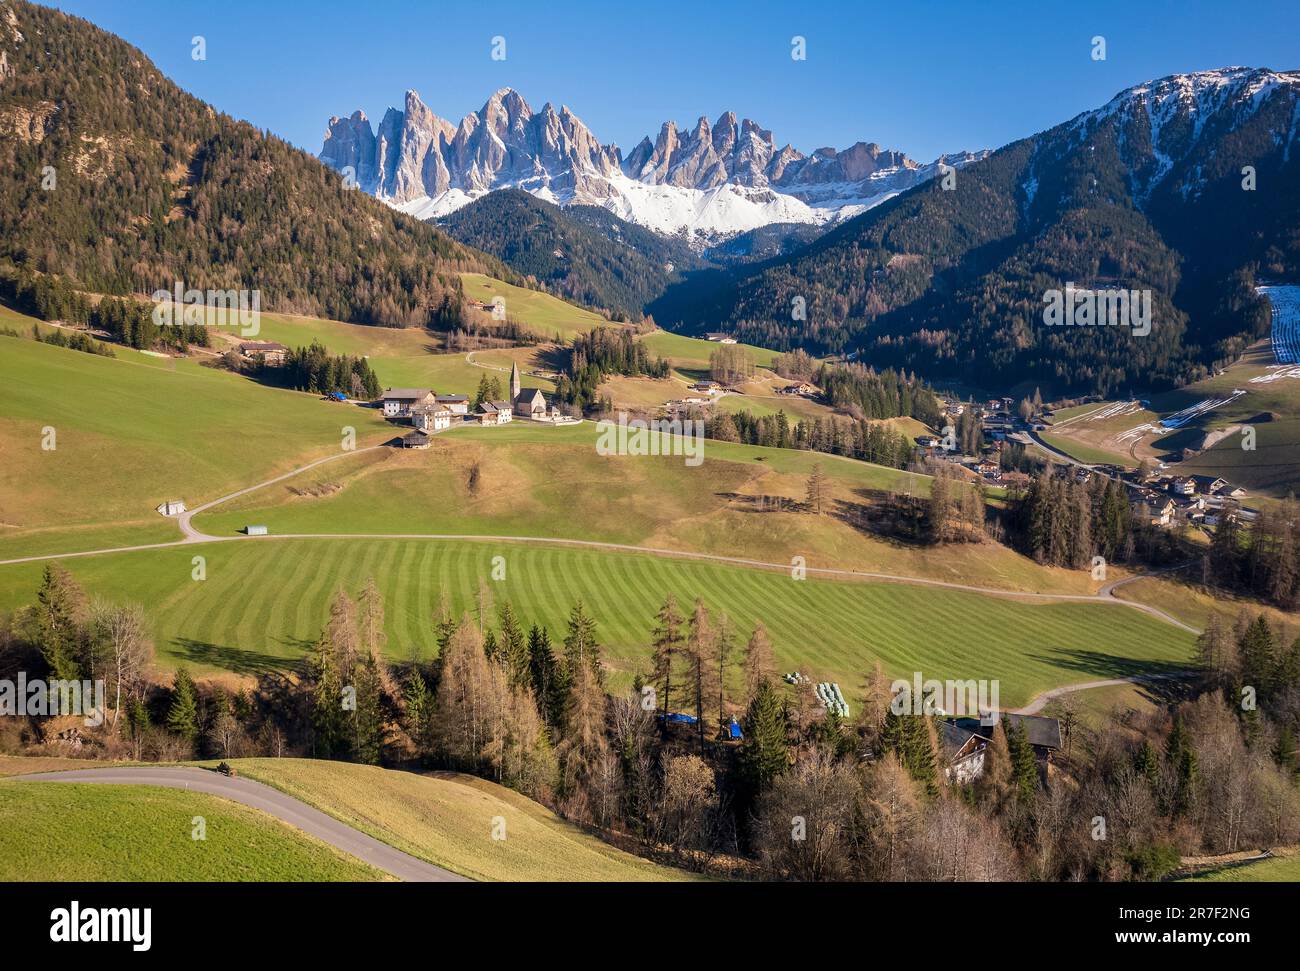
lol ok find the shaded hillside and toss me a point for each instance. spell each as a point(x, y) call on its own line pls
point(151, 186)
point(584, 253)
point(1143, 193)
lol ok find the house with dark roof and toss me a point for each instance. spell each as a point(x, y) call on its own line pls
point(269, 351)
point(494, 412)
point(963, 742)
point(430, 418)
point(416, 439)
point(398, 402)
point(457, 404)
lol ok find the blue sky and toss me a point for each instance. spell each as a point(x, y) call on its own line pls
point(924, 78)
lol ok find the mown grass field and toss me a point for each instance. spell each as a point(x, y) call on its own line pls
point(543, 481)
point(1284, 869)
point(447, 819)
point(143, 833)
point(265, 600)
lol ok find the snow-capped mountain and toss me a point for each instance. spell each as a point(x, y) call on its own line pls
point(709, 183)
point(1174, 135)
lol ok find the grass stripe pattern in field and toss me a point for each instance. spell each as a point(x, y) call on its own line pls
point(821, 626)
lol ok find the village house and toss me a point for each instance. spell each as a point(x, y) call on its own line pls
point(706, 387)
point(1162, 514)
point(721, 338)
point(398, 402)
point(457, 404)
point(270, 352)
point(430, 418)
point(494, 412)
point(1210, 485)
point(964, 740)
point(416, 439)
point(804, 388)
point(1183, 486)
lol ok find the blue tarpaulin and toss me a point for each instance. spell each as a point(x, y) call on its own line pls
point(677, 716)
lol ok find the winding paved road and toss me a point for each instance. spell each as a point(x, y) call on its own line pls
point(271, 801)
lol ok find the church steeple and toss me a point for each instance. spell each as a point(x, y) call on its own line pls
point(514, 381)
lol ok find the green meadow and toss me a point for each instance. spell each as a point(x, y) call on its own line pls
point(543, 313)
point(446, 819)
point(1284, 869)
point(264, 602)
point(689, 356)
point(128, 435)
point(144, 833)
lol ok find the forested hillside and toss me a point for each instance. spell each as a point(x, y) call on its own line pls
point(1150, 191)
point(114, 178)
point(583, 254)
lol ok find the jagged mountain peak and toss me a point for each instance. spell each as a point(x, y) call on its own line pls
point(710, 179)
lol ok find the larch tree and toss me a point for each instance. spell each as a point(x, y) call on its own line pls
point(760, 662)
point(700, 657)
point(667, 646)
point(723, 648)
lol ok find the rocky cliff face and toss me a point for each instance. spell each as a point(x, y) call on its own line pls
point(711, 181)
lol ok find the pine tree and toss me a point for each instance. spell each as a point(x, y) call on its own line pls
point(368, 716)
point(1147, 765)
point(513, 647)
point(580, 644)
point(584, 745)
point(183, 715)
point(1180, 756)
point(419, 714)
point(61, 614)
point(1024, 767)
point(723, 648)
point(1255, 648)
point(764, 753)
point(549, 677)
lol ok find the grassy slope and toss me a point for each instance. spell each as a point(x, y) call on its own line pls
point(1272, 468)
point(1192, 604)
point(144, 833)
point(131, 434)
point(401, 358)
point(1280, 870)
point(692, 353)
point(264, 602)
point(1087, 453)
point(543, 313)
point(544, 481)
point(447, 819)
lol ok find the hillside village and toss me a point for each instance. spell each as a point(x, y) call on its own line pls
point(429, 412)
